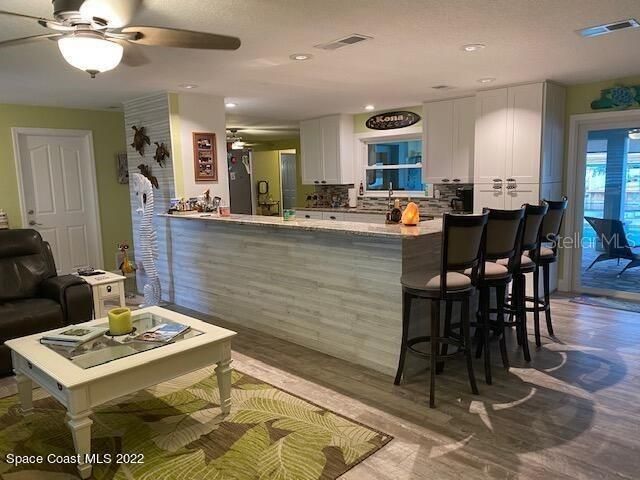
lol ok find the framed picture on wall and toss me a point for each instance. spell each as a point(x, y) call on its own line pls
point(204, 157)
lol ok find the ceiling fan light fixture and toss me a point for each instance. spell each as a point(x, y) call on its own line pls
point(90, 53)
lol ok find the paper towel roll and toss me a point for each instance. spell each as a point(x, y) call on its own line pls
point(353, 199)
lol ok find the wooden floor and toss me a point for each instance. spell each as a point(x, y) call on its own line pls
point(573, 413)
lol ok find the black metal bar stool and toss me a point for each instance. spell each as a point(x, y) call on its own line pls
point(504, 236)
point(551, 226)
point(533, 218)
point(463, 239)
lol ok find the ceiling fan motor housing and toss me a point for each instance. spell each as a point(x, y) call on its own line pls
point(67, 10)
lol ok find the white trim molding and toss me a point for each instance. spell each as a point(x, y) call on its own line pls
point(60, 132)
point(579, 126)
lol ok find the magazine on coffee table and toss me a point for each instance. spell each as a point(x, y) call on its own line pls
point(163, 333)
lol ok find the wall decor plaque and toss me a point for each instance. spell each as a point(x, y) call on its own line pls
point(392, 120)
point(204, 157)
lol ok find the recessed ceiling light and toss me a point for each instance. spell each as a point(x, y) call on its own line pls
point(300, 57)
point(231, 105)
point(188, 86)
point(370, 107)
point(473, 47)
point(486, 80)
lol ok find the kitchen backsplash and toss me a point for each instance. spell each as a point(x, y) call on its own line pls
point(428, 206)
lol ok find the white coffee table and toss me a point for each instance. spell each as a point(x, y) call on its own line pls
point(81, 390)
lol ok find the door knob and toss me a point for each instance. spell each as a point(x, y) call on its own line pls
point(30, 212)
point(33, 222)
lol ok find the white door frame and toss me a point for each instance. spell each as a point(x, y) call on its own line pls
point(578, 128)
point(60, 132)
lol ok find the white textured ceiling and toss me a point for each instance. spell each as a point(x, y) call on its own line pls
point(416, 45)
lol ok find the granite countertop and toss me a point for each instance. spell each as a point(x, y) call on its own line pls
point(426, 227)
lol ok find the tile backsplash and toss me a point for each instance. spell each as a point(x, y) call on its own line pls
point(428, 206)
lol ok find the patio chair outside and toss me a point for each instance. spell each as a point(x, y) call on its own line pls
point(614, 241)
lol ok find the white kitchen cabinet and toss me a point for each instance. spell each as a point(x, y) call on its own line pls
point(327, 150)
point(485, 195)
point(378, 218)
point(308, 215)
point(491, 135)
point(524, 133)
point(311, 150)
point(519, 143)
point(448, 141)
point(337, 216)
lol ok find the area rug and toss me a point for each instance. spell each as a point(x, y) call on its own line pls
point(178, 430)
point(608, 302)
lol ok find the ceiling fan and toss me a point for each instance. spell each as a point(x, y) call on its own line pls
point(94, 35)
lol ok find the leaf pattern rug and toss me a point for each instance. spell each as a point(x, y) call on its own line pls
point(178, 426)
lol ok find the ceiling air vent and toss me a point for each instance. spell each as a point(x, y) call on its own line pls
point(609, 28)
point(343, 42)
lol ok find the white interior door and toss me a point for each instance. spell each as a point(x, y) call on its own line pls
point(59, 195)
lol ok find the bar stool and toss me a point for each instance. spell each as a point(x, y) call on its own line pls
point(463, 240)
point(504, 237)
point(550, 232)
point(532, 226)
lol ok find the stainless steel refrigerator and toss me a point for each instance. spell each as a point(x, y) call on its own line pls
point(240, 181)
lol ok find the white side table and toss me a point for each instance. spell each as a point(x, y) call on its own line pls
point(108, 292)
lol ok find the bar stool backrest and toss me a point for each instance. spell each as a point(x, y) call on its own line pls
point(533, 218)
point(552, 222)
point(504, 234)
point(463, 244)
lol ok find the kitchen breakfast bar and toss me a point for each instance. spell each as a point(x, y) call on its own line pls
point(330, 286)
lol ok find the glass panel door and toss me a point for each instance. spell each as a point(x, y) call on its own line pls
point(611, 224)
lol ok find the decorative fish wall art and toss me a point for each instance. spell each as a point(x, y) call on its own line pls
point(140, 138)
point(162, 153)
point(617, 97)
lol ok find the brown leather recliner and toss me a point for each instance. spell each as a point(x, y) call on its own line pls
point(32, 297)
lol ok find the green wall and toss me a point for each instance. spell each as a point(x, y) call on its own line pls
point(360, 120)
point(266, 166)
point(579, 97)
point(108, 140)
point(287, 144)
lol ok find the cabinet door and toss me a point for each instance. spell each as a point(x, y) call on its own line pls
point(523, 193)
point(438, 142)
point(553, 133)
point(464, 126)
point(330, 127)
point(378, 218)
point(484, 195)
point(490, 135)
point(525, 133)
point(311, 148)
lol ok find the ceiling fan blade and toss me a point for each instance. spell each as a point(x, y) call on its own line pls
point(117, 13)
point(133, 55)
point(22, 15)
point(174, 37)
point(18, 41)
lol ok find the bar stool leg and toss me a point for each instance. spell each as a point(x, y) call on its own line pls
point(447, 332)
point(466, 335)
point(500, 293)
point(435, 327)
point(406, 316)
point(515, 309)
point(536, 309)
point(486, 332)
point(480, 321)
point(523, 319)
point(547, 304)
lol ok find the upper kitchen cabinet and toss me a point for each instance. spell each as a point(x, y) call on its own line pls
point(448, 139)
point(519, 134)
point(327, 150)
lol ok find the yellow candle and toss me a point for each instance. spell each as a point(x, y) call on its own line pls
point(120, 321)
